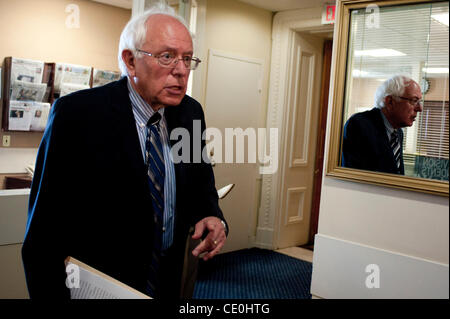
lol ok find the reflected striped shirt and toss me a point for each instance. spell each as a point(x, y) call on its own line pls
point(389, 131)
point(142, 113)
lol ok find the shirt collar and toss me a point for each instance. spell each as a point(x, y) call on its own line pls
point(140, 106)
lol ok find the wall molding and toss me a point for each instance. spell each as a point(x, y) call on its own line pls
point(300, 147)
point(299, 202)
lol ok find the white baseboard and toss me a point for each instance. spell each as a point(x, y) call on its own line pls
point(339, 271)
point(263, 246)
point(264, 238)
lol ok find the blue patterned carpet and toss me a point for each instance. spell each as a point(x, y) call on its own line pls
point(253, 274)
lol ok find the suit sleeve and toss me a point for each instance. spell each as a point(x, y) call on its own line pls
point(45, 243)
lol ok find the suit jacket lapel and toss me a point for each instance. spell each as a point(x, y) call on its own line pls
point(170, 114)
point(124, 126)
point(381, 132)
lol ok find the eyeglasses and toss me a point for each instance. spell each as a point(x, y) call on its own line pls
point(414, 102)
point(168, 60)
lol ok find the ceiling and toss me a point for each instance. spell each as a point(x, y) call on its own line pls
point(271, 5)
point(421, 41)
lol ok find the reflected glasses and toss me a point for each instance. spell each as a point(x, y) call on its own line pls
point(169, 60)
point(413, 102)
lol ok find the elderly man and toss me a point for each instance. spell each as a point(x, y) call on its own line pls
point(106, 190)
point(373, 139)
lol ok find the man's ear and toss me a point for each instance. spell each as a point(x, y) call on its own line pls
point(388, 101)
point(129, 60)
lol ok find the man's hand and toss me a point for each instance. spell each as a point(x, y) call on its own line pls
point(215, 239)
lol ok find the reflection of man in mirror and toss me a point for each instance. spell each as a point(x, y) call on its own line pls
point(373, 139)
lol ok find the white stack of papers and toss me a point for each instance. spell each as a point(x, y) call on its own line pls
point(39, 116)
point(103, 77)
point(27, 91)
point(86, 282)
point(224, 191)
point(67, 88)
point(26, 70)
point(72, 74)
point(28, 115)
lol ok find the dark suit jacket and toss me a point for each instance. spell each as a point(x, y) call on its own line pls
point(90, 197)
point(366, 144)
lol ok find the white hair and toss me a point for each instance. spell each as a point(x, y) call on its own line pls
point(133, 35)
point(395, 86)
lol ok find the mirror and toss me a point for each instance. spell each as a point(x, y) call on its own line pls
point(379, 40)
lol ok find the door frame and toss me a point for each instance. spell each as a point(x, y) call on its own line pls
point(285, 24)
point(320, 148)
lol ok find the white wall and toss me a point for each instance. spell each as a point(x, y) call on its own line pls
point(406, 222)
point(241, 29)
point(358, 222)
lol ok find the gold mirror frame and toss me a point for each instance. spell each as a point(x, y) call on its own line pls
point(333, 168)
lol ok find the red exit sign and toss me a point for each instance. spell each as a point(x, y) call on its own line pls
point(328, 13)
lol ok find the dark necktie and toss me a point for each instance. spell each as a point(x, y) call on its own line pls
point(156, 172)
point(395, 146)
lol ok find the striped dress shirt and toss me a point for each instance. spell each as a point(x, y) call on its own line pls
point(142, 113)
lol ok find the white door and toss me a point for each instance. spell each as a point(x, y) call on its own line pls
point(233, 100)
point(300, 133)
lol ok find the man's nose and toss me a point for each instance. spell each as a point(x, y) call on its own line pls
point(419, 107)
point(180, 68)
